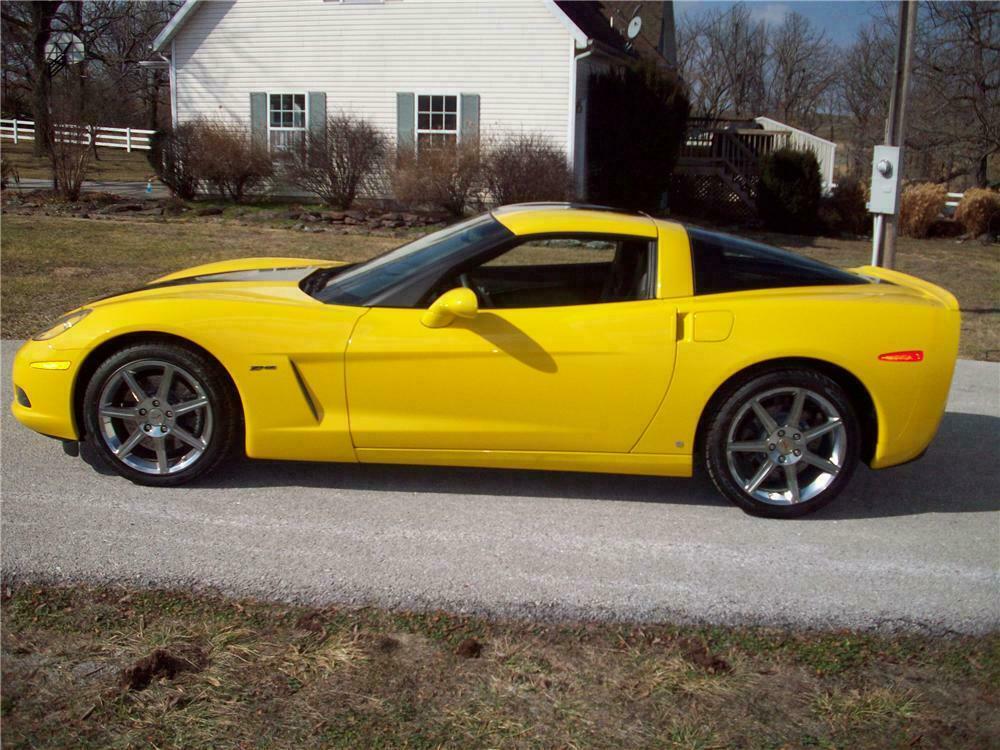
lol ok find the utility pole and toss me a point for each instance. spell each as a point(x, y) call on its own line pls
point(884, 233)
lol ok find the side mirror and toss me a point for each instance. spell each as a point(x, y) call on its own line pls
point(456, 303)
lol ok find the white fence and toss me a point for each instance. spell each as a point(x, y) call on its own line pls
point(130, 139)
point(826, 151)
point(951, 203)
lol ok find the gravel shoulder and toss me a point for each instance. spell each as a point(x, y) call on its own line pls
point(911, 548)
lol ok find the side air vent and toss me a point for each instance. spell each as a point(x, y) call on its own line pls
point(22, 397)
point(311, 402)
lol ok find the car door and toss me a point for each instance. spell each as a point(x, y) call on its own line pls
point(582, 377)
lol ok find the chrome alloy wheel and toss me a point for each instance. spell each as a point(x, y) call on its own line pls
point(786, 445)
point(155, 416)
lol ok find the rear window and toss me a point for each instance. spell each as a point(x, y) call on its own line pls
point(723, 263)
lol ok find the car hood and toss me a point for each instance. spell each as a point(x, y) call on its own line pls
point(247, 278)
point(247, 269)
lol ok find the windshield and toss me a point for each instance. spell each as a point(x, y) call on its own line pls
point(368, 280)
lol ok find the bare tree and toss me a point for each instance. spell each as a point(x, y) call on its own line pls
point(723, 57)
point(801, 70)
point(953, 121)
point(863, 80)
point(118, 36)
point(31, 25)
point(957, 71)
point(108, 85)
point(708, 84)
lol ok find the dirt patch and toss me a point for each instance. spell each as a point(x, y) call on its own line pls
point(162, 663)
point(699, 654)
point(470, 648)
point(385, 644)
point(311, 622)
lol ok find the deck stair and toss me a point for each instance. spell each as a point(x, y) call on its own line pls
point(719, 163)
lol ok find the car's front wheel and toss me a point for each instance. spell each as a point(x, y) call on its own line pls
point(783, 443)
point(161, 414)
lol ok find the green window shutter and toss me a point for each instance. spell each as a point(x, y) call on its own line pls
point(258, 117)
point(406, 133)
point(469, 127)
point(317, 114)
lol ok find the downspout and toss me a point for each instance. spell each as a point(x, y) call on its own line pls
point(173, 87)
point(579, 166)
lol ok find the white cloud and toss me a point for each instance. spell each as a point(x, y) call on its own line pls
point(771, 13)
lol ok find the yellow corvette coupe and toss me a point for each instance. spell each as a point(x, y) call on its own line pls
point(536, 336)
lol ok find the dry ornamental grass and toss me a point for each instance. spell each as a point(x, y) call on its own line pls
point(979, 212)
point(919, 207)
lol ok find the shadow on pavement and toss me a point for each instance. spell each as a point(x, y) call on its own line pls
point(959, 474)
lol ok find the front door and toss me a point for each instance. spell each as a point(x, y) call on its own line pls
point(583, 368)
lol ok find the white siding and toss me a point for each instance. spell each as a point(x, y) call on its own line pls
point(514, 53)
point(826, 151)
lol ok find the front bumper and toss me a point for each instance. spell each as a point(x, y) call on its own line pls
point(48, 391)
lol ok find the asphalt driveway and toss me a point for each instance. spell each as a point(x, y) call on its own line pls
point(916, 547)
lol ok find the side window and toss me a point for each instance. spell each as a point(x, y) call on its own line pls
point(729, 264)
point(558, 271)
point(543, 252)
point(437, 121)
point(286, 121)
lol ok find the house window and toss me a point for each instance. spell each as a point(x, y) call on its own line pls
point(437, 120)
point(286, 121)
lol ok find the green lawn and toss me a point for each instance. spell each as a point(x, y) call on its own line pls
point(111, 163)
point(51, 264)
point(77, 673)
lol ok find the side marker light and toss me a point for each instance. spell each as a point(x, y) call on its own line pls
point(913, 355)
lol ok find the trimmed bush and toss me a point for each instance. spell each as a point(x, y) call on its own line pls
point(979, 212)
point(228, 158)
point(919, 207)
point(635, 125)
point(447, 177)
point(789, 191)
point(845, 210)
point(173, 155)
point(525, 168)
point(346, 160)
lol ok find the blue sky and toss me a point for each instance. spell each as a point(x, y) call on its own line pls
point(840, 20)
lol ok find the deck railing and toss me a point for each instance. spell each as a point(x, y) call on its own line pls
point(740, 148)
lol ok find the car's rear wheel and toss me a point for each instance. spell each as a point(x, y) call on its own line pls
point(161, 414)
point(783, 443)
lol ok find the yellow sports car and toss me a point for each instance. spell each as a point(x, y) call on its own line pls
point(536, 336)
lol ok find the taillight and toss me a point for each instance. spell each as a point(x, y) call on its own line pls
point(914, 355)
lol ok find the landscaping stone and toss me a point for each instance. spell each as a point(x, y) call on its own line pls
point(119, 208)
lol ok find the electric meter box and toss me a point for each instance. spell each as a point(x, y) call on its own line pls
point(885, 179)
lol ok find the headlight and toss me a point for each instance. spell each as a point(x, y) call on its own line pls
point(64, 323)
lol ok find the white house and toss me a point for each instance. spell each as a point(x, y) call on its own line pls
point(422, 70)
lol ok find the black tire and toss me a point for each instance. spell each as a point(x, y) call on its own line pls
point(734, 416)
point(218, 423)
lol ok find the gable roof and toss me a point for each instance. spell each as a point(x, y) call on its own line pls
point(174, 25)
point(587, 16)
point(584, 19)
